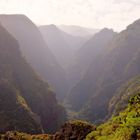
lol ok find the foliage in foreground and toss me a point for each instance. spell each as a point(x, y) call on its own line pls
point(126, 126)
point(22, 136)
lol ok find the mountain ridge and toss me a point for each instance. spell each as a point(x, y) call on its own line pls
point(35, 50)
point(24, 93)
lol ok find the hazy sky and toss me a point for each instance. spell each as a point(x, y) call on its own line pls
point(116, 14)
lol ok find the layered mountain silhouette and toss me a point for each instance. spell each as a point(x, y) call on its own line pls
point(79, 30)
point(118, 63)
point(26, 102)
point(87, 55)
point(97, 76)
point(35, 50)
point(62, 44)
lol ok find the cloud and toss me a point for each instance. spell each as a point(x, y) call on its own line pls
point(127, 1)
point(120, 14)
point(115, 14)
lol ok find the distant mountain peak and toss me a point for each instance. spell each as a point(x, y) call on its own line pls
point(34, 48)
point(21, 16)
point(78, 30)
point(52, 26)
point(134, 24)
point(107, 30)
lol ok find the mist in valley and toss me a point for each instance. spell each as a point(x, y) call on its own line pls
point(70, 70)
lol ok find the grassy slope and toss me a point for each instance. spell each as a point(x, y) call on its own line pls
point(125, 126)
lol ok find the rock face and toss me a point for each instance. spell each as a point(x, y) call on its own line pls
point(26, 102)
point(35, 50)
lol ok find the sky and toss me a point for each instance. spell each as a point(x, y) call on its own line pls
point(116, 14)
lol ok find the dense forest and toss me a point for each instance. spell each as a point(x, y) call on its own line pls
point(59, 84)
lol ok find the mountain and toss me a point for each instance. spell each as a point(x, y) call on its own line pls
point(124, 126)
point(120, 100)
point(110, 93)
point(85, 56)
point(63, 45)
point(78, 30)
point(15, 113)
point(26, 102)
point(35, 50)
point(119, 63)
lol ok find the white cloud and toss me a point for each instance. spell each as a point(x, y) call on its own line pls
point(115, 14)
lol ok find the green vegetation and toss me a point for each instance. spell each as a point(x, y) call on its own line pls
point(126, 126)
point(23, 136)
point(74, 130)
point(120, 100)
